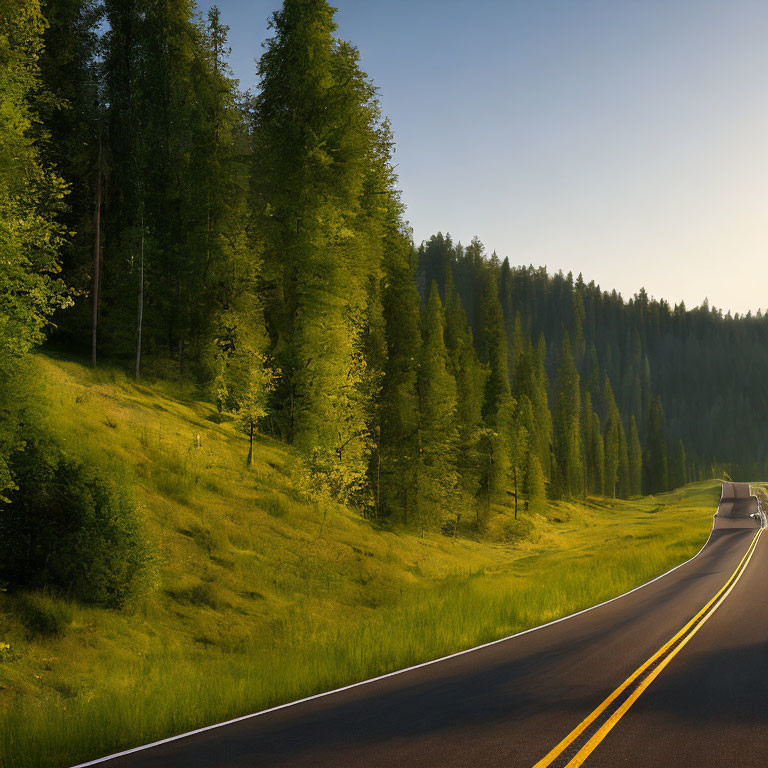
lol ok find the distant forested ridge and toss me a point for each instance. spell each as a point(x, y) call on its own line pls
point(706, 367)
point(156, 216)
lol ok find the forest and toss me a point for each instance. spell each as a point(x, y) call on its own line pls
point(155, 216)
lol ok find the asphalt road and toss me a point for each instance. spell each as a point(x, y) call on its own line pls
point(512, 703)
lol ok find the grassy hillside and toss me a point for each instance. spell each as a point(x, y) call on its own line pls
point(259, 597)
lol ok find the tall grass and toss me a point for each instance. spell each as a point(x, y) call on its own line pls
point(168, 694)
point(260, 600)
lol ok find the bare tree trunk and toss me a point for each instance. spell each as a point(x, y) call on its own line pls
point(515, 493)
point(96, 261)
point(249, 461)
point(378, 474)
point(140, 316)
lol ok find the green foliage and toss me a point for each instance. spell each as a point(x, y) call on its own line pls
point(611, 438)
point(594, 449)
point(437, 480)
point(67, 527)
point(678, 467)
point(567, 427)
point(622, 487)
point(399, 396)
point(31, 195)
point(655, 462)
point(319, 146)
point(241, 644)
point(635, 460)
point(536, 491)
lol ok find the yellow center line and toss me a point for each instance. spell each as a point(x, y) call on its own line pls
point(690, 629)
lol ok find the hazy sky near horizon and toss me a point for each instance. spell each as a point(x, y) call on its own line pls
point(623, 139)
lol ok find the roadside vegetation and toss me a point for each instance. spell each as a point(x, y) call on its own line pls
point(338, 452)
point(254, 595)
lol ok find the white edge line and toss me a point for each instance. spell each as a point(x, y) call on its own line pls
point(240, 719)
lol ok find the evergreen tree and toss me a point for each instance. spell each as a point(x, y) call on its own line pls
point(493, 351)
point(399, 397)
point(70, 106)
point(655, 455)
point(622, 483)
point(535, 485)
point(635, 460)
point(470, 378)
point(437, 480)
point(314, 135)
point(594, 449)
point(542, 416)
point(611, 438)
point(598, 456)
point(678, 471)
point(567, 427)
point(520, 446)
point(498, 405)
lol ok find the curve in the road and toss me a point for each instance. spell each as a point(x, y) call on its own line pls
point(574, 749)
point(503, 703)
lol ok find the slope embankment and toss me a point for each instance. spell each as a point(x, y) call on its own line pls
point(259, 597)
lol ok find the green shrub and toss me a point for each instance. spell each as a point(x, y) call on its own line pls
point(71, 528)
point(43, 615)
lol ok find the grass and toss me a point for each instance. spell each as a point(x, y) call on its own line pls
point(258, 601)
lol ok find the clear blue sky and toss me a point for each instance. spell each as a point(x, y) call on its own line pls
point(624, 139)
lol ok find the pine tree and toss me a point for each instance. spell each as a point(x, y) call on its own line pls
point(598, 456)
point(635, 460)
point(579, 344)
point(622, 482)
point(678, 472)
point(314, 136)
point(470, 378)
point(542, 416)
point(399, 397)
point(611, 438)
point(522, 427)
point(493, 351)
point(437, 479)
point(567, 427)
point(70, 106)
point(536, 487)
point(594, 449)
point(498, 405)
point(655, 455)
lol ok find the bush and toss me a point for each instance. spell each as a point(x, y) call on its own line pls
point(44, 616)
point(69, 527)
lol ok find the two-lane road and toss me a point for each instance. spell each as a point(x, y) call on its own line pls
point(672, 674)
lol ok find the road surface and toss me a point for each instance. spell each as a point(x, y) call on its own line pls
point(672, 674)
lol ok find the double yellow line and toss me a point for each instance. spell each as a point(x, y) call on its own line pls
point(607, 714)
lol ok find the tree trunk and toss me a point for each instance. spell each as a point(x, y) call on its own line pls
point(378, 473)
point(96, 261)
point(515, 493)
point(249, 461)
point(140, 316)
